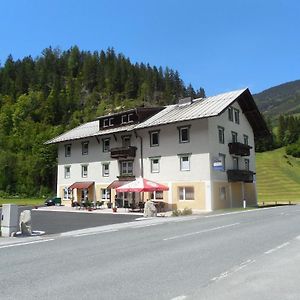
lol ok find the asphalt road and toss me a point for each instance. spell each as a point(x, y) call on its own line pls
point(252, 255)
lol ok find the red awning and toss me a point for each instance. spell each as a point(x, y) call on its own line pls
point(117, 183)
point(142, 185)
point(81, 185)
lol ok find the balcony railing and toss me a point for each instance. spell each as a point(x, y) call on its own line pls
point(240, 175)
point(239, 149)
point(123, 152)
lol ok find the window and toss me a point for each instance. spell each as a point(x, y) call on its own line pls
point(246, 164)
point(111, 122)
point(234, 136)
point(159, 195)
point(222, 158)
point(186, 193)
point(130, 118)
point(67, 172)
point(236, 116)
point(126, 168)
point(124, 119)
point(184, 162)
point(246, 139)
point(126, 140)
point(221, 134)
point(223, 193)
point(68, 150)
point(106, 145)
point(105, 169)
point(84, 171)
point(85, 148)
point(235, 162)
point(184, 134)
point(154, 165)
point(154, 138)
point(230, 114)
point(105, 123)
point(105, 194)
point(67, 193)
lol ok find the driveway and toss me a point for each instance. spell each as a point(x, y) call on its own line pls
point(58, 221)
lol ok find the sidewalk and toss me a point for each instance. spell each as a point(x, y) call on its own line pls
point(120, 211)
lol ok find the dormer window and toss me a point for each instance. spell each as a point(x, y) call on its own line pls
point(105, 123)
point(130, 118)
point(124, 119)
point(111, 122)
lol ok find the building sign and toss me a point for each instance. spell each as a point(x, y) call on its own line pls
point(218, 165)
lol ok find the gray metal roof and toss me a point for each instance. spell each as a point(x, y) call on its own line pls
point(87, 130)
point(199, 108)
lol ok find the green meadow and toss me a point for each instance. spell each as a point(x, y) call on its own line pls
point(277, 176)
point(22, 201)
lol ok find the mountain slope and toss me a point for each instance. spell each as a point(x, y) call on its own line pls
point(283, 98)
point(278, 176)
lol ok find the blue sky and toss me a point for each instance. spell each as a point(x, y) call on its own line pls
point(220, 45)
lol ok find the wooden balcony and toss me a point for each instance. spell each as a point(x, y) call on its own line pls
point(123, 152)
point(239, 149)
point(240, 175)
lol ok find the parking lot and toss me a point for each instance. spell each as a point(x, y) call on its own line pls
point(53, 222)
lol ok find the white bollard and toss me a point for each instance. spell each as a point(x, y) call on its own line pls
point(244, 203)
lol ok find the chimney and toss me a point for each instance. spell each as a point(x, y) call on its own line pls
point(185, 101)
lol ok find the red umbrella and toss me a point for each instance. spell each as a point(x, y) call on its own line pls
point(142, 185)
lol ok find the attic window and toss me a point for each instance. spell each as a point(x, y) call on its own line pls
point(130, 118)
point(105, 123)
point(111, 122)
point(124, 119)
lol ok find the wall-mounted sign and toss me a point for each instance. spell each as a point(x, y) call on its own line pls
point(218, 165)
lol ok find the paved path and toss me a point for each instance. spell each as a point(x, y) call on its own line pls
point(249, 255)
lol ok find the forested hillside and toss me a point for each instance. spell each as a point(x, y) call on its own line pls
point(280, 99)
point(42, 97)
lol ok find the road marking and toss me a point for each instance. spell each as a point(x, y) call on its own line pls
point(277, 248)
point(94, 233)
point(235, 269)
point(179, 297)
point(146, 225)
point(241, 212)
point(199, 232)
point(26, 243)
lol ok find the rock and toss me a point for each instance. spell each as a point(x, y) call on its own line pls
point(150, 209)
point(25, 222)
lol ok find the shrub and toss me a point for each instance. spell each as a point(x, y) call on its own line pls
point(293, 149)
point(176, 213)
point(186, 211)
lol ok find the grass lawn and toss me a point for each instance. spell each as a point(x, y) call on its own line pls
point(277, 177)
point(22, 201)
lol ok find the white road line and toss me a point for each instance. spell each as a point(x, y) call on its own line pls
point(146, 225)
point(26, 243)
point(241, 212)
point(199, 232)
point(182, 297)
point(277, 248)
point(94, 233)
point(233, 270)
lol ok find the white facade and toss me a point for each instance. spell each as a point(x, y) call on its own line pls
point(187, 166)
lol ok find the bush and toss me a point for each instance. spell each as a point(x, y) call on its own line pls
point(293, 149)
point(186, 211)
point(176, 213)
